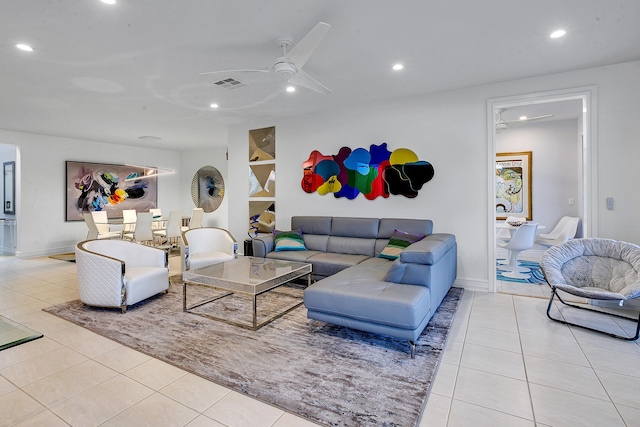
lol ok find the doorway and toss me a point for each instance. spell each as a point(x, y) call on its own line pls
point(586, 159)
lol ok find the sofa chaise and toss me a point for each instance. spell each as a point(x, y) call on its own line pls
point(357, 288)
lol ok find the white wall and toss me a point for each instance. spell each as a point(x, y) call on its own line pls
point(555, 168)
point(40, 186)
point(448, 129)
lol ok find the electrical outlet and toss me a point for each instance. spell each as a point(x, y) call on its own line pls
point(610, 203)
point(572, 201)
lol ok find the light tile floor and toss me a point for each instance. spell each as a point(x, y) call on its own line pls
point(505, 364)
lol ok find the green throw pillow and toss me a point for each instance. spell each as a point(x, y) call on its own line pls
point(289, 240)
point(399, 240)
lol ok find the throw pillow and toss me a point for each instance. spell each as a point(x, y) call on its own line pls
point(289, 240)
point(399, 240)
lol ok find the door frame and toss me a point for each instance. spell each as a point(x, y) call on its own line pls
point(588, 197)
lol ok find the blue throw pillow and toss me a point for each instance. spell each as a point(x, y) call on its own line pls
point(289, 240)
point(398, 242)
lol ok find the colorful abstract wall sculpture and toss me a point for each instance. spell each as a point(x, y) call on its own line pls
point(377, 172)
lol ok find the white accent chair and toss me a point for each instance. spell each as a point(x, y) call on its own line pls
point(206, 246)
point(521, 240)
point(95, 232)
point(563, 231)
point(118, 273)
point(196, 219)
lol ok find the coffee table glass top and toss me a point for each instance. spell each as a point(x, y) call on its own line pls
point(250, 275)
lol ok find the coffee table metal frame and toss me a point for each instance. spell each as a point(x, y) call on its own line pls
point(215, 277)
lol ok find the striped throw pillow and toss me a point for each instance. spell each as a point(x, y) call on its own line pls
point(289, 240)
point(399, 240)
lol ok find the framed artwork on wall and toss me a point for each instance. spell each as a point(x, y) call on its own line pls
point(513, 185)
point(107, 187)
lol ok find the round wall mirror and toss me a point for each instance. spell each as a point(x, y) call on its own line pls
point(207, 188)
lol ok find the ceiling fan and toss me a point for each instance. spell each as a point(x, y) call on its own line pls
point(502, 124)
point(289, 66)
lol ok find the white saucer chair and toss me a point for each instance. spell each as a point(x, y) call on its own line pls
point(565, 229)
point(521, 240)
point(119, 273)
point(207, 246)
point(596, 269)
point(504, 235)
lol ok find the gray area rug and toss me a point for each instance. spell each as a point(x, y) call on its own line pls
point(333, 376)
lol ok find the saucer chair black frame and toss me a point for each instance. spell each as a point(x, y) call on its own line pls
point(554, 258)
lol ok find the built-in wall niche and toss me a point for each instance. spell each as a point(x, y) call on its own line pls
point(9, 187)
point(262, 180)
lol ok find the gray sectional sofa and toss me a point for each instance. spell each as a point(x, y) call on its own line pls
point(356, 288)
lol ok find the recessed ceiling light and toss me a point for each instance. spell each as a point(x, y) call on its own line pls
point(398, 67)
point(557, 34)
point(523, 117)
point(108, 1)
point(291, 88)
point(213, 105)
point(25, 47)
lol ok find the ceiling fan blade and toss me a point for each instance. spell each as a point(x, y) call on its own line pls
point(242, 70)
point(305, 80)
point(303, 50)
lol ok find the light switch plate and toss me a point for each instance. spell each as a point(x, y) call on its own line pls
point(610, 203)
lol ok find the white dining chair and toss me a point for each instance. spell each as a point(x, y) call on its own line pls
point(173, 232)
point(563, 231)
point(196, 219)
point(129, 217)
point(157, 224)
point(95, 233)
point(143, 232)
point(521, 240)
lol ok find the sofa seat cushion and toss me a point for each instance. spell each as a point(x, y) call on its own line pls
point(294, 256)
point(203, 259)
point(329, 263)
point(396, 305)
point(143, 282)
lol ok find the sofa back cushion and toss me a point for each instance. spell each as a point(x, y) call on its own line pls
point(315, 231)
point(354, 236)
point(389, 225)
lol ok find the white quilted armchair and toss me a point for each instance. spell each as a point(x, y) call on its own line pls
point(206, 246)
point(118, 273)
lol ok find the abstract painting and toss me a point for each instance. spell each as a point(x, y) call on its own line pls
point(376, 172)
point(513, 185)
point(108, 187)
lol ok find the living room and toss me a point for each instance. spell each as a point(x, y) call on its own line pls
point(448, 128)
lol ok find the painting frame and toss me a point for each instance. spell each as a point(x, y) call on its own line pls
point(513, 185)
point(94, 186)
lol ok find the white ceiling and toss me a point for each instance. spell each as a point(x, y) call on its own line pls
point(115, 73)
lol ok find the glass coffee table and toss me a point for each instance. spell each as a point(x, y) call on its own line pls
point(240, 281)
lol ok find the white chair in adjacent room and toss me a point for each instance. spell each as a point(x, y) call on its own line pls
point(196, 219)
point(173, 232)
point(521, 240)
point(118, 273)
point(95, 232)
point(563, 231)
point(207, 246)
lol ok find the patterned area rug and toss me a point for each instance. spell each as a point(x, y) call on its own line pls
point(535, 277)
point(334, 376)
